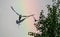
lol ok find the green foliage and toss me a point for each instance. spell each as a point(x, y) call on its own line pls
point(50, 24)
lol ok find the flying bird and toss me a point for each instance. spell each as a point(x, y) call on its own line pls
point(20, 16)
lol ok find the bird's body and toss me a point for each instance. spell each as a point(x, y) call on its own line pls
point(19, 21)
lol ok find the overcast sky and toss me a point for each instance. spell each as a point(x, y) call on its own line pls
point(8, 26)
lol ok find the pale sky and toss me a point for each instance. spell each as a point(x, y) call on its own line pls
point(8, 26)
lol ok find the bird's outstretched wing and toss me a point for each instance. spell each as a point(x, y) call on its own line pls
point(31, 15)
point(28, 15)
point(14, 10)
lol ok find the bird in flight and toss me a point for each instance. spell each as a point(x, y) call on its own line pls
point(20, 16)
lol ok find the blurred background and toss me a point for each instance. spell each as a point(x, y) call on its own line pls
point(8, 26)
